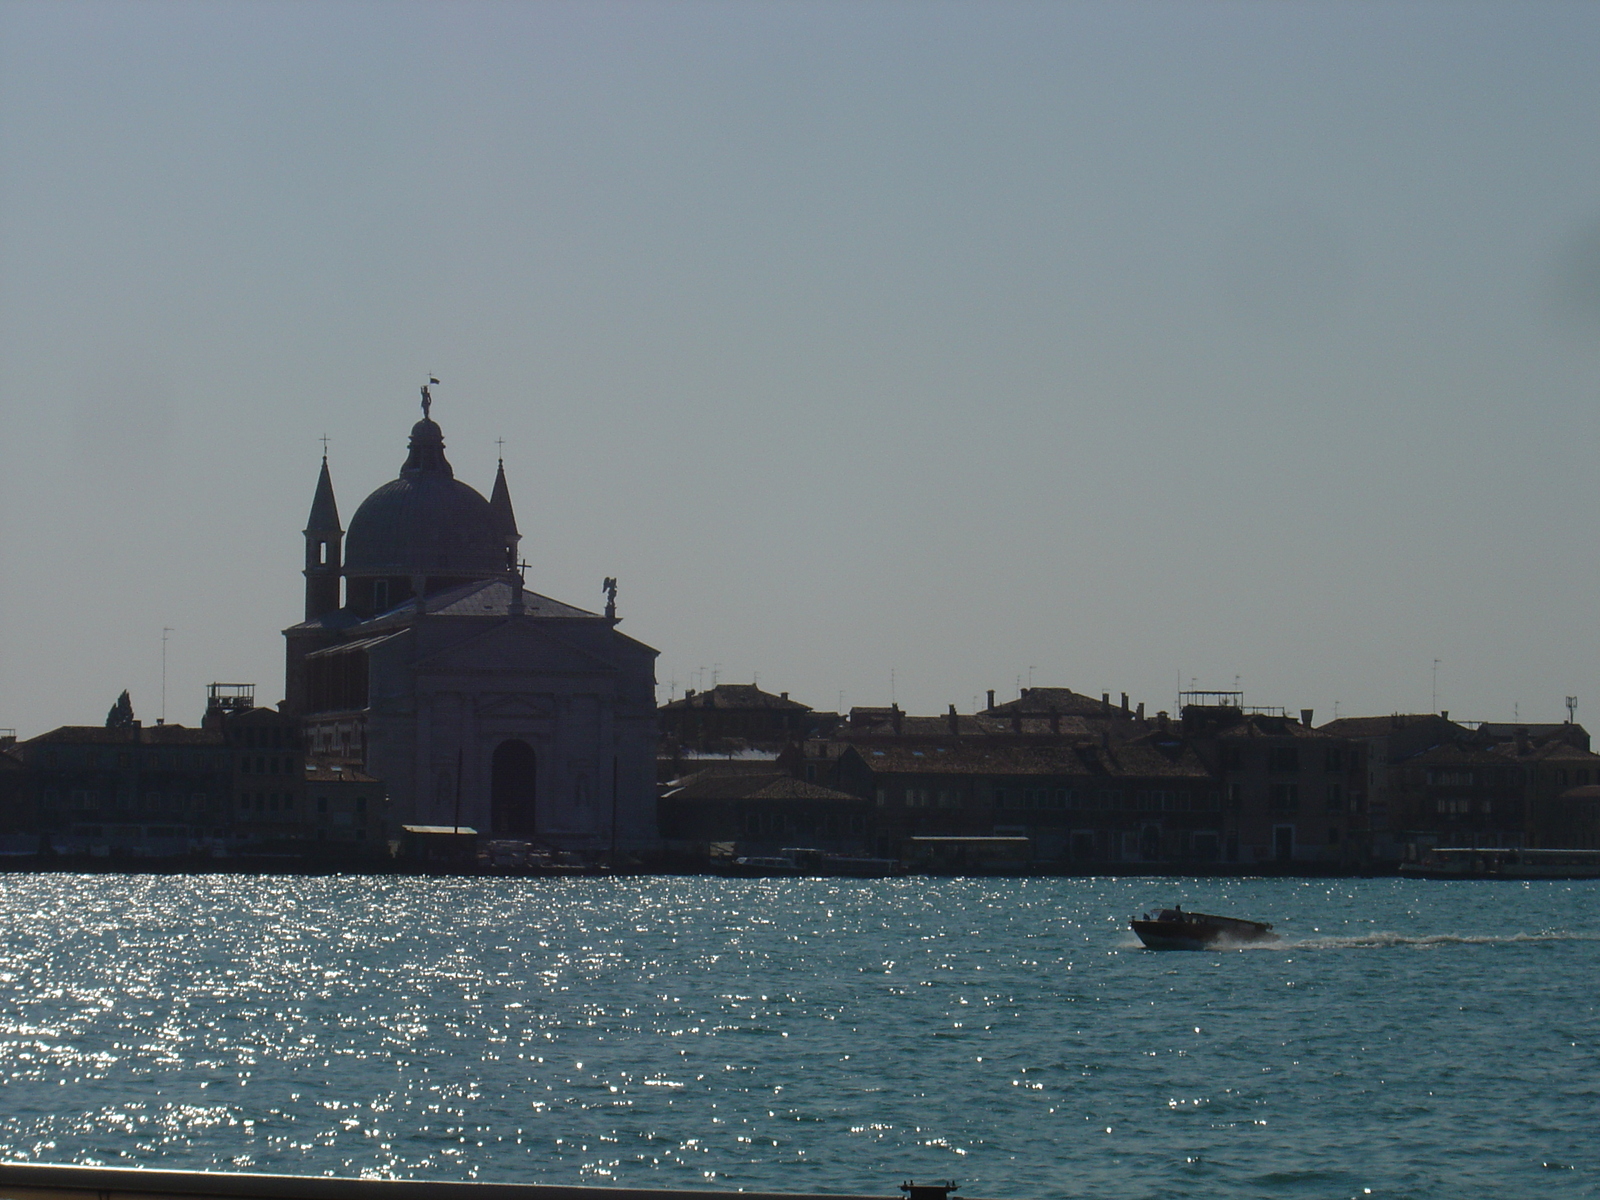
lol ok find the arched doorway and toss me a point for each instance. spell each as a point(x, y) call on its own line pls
point(512, 789)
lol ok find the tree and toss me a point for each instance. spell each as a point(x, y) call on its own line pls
point(121, 714)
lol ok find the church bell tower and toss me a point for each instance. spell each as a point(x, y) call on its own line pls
point(324, 546)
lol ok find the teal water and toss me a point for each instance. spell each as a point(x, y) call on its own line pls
point(1408, 1039)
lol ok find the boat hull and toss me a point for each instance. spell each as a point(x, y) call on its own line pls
point(1172, 930)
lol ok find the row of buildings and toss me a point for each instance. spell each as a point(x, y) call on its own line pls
point(1094, 784)
point(1089, 784)
point(427, 687)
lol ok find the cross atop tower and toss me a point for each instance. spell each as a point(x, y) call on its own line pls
point(324, 447)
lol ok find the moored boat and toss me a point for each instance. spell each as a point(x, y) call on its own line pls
point(1463, 862)
point(1174, 929)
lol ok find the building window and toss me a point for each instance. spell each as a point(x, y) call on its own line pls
point(1283, 760)
point(1284, 797)
point(1335, 797)
point(1335, 759)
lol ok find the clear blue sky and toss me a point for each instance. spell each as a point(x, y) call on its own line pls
point(1122, 343)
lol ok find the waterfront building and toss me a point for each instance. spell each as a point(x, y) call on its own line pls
point(734, 715)
point(1387, 742)
point(762, 813)
point(1292, 794)
point(1088, 804)
point(266, 793)
point(131, 790)
point(423, 661)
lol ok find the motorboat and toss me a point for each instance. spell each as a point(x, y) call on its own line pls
point(1174, 929)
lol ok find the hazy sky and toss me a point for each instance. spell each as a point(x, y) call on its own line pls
point(1115, 343)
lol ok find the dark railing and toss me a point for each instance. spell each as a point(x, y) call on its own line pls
point(29, 1181)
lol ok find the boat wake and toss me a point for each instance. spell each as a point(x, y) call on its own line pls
point(1386, 941)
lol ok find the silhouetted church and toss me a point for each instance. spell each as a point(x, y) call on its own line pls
point(475, 700)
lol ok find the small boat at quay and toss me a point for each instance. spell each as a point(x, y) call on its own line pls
point(1174, 929)
point(1463, 862)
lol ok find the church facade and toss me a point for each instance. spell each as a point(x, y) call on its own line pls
point(424, 661)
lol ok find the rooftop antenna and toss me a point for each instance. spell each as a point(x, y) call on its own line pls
point(166, 631)
point(672, 687)
point(1572, 709)
point(716, 675)
point(1436, 685)
point(893, 699)
point(1030, 678)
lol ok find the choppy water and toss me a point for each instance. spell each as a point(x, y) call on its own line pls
point(1414, 1038)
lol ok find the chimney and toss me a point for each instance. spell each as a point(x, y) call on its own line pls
point(1124, 703)
point(1161, 721)
point(689, 694)
point(1444, 713)
point(783, 695)
point(991, 697)
point(897, 717)
point(1023, 693)
point(1141, 710)
point(1105, 703)
point(955, 722)
point(1305, 717)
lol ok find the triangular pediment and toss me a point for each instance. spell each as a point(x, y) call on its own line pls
point(516, 648)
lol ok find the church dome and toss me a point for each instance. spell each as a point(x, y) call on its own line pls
point(427, 522)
